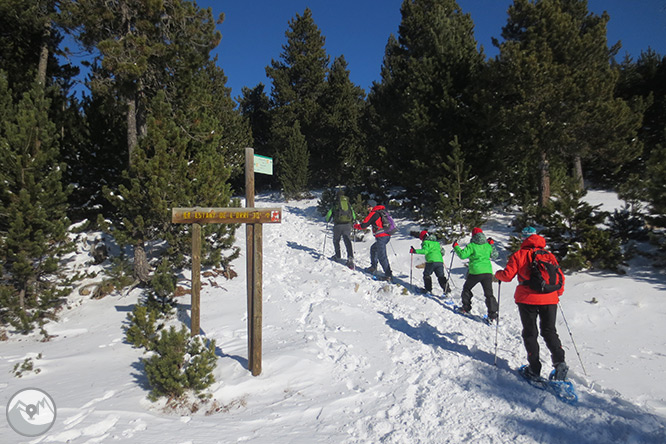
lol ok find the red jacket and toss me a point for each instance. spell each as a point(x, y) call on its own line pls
point(519, 264)
point(375, 220)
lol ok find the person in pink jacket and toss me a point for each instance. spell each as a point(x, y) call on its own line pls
point(533, 305)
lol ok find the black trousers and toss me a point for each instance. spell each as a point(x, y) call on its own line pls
point(547, 315)
point(486, 280)
point(438, 269)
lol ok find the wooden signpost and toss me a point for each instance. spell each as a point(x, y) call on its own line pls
point(253, 218)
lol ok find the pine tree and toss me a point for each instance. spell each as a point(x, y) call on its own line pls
point(343, 105)
point(255, 106)
point(33, 207)
point(555, 93)
point(186, 160)
point(459, 206)
point(643, 83)
point(142, 47)
point(97, 150)
point(293, 162)
point(27, 37)
point(180, 364)
point(424, 99)
point(656, 189)
point(298, 86)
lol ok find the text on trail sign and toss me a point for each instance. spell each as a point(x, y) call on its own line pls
point(263, 164)
point(226, 215)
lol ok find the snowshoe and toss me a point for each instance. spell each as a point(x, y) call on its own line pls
point(560, 372)
point(563, 390)
point(461, 310)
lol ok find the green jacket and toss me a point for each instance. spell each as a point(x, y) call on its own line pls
point(432, 250)
point(331, 213)
point(479, 252)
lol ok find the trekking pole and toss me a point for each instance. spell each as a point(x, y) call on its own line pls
point(448, 278)
point(499, 294)
point(353, 239)
point(323, 248)
point(394, 253)
point(411, 268)
point(572, 338)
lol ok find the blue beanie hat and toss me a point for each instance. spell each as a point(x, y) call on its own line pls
point(372, 203)
point(528, 231)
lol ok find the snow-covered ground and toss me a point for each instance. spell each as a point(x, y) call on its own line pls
point(350, 360)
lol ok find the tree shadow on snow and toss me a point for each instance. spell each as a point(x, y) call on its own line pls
point(593, 420)
point(597, 418)
point(429, 335)
point(314, 253)
point(310, 213)
point(139, 375)
point(184, 316)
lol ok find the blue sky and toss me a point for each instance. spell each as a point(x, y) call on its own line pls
point(254, 31)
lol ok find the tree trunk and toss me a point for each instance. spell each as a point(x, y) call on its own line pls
point(44, 54)
point(578, 172)
point(141, 122)
point(544, 189)
point(132, 137)
point(141, 267)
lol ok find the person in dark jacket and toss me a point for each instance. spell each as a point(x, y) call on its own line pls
point(479, 251)
point(382, 238)
point(533, 306)
point(343, 216)
point(432, 250)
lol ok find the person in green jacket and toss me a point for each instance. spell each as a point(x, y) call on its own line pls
point(434, 261)
point(479, 252)
point(343, 216)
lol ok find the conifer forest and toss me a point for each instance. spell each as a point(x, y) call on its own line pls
point(446, 135)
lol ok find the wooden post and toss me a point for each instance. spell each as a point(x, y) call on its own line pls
point(253, 218)
point(254, 306)
point(196, 280)
point(257, 303)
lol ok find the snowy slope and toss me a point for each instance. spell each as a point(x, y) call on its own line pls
point(350, 360)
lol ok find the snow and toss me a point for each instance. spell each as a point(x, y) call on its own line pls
point(350, 360)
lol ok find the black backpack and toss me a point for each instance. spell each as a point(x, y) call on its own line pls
point(343, 211)
point(545, 272)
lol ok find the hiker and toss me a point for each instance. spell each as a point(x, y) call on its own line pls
point(382, 238)
point(343, 215)
point(533, 305)
point(434, 261)
point(479, 251)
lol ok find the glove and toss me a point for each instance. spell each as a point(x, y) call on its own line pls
point(412, 250)
point(455, 244)
point(357, 227)
point(491, 241)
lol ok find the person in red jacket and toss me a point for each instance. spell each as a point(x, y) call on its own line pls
point(382, 238)
point(533, 305)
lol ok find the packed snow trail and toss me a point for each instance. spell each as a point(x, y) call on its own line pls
point(345, 360)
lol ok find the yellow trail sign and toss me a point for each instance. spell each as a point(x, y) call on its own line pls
point(226, 215)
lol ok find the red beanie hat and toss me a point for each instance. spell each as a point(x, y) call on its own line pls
point(476, 231)
point(423, 234)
